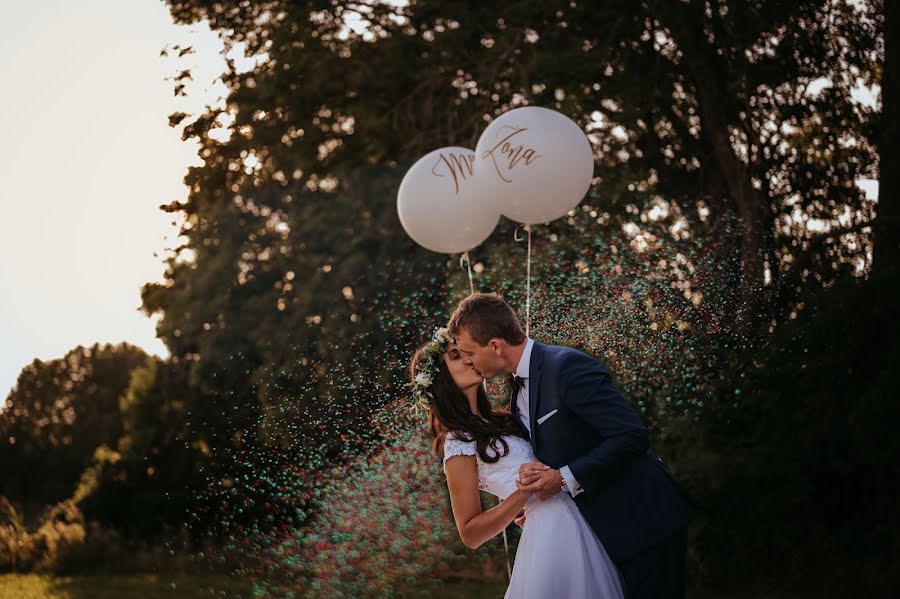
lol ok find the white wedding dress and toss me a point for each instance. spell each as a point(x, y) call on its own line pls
point(558, 555)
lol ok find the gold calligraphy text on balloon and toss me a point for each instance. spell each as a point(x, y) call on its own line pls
point(460, 166)
point(509, 153)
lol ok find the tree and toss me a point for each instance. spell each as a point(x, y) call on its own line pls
point(719, 106)
point(887, 236)
point(151, 476)
point(57, 414)
point(737, 121)
point(737, 118)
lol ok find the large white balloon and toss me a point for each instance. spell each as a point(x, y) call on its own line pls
point(437, 204)
point(534, 164)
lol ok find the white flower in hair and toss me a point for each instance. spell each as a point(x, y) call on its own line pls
point(442, 334)
point(428, 367)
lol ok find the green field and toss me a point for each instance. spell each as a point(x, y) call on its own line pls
point(152, 586)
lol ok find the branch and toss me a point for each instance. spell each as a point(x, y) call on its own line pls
point(824, 236)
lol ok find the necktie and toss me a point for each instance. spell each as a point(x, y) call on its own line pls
point(517, 383)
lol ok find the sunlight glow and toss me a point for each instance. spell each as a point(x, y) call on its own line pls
point(87, 158)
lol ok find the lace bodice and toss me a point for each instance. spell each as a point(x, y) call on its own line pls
point(500, 477)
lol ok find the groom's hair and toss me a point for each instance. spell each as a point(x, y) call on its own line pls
point(486, 316)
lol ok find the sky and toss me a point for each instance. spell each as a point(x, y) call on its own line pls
point(86, 159)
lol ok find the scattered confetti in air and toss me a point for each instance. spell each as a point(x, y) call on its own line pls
point(359, 506)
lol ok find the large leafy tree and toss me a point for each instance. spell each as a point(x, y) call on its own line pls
point(57, 414)
point(741, 106)
point(147, 480)
point(290, 221)
point(742, 119)
point(293, 253)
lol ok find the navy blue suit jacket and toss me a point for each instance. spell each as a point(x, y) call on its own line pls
point(630, 498)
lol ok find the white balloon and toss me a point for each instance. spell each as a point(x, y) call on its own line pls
point(534, 164)
point(437, 206)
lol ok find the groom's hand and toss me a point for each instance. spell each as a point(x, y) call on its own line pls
point(548, 484)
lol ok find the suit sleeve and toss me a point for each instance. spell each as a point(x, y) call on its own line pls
point(588, 391)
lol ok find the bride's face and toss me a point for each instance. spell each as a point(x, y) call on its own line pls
point(463, 374)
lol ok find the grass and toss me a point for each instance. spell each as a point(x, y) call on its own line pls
point(455, 590)
point(149, 586)
point(156, 586)
point(153, 586)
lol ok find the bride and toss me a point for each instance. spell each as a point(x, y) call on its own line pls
point(482, 449)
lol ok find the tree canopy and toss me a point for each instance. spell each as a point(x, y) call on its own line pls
point(58, 413)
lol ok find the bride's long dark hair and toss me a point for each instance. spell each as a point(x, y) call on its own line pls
point(450, 412)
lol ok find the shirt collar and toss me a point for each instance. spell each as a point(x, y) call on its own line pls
point(525, 361)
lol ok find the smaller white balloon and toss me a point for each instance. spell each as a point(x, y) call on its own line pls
point(533, 164)
point(437, 204)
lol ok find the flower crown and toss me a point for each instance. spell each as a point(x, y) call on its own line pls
point(428, 367)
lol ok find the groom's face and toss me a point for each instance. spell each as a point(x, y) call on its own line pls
point(485, 359)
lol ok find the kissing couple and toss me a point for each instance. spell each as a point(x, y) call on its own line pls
point(570, 460)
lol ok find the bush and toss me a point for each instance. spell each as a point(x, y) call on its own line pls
point(64, 544)
point(800, 482)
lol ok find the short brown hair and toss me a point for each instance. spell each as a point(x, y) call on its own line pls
point(487, 316)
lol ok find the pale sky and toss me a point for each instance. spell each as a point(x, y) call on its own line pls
point(86, 159)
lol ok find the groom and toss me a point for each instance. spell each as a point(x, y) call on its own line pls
point(590, 443)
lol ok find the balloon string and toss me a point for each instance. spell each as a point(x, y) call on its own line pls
point(527, 334)
point(465, 258)
point(528, 287)
point(468, 262)
point(505, 542)
point(506, 547)
point(527, 279)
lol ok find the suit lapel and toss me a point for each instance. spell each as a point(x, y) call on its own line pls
point(534, 384)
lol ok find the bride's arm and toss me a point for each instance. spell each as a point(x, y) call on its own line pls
point(475, 527)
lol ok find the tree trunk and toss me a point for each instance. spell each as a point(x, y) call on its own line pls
point(716, 123)
point(887, 221)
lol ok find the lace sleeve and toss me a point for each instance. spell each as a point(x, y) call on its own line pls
point(454, 447)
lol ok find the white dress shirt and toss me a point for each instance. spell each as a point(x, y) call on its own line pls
point(522, 371)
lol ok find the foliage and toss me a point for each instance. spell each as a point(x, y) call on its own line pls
point(144, 485)
point(802, 491)
point(735, 121)
point(292, 254)
point(747, 105)
point(57, 414)
point(144, 586)
point(64, 542)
